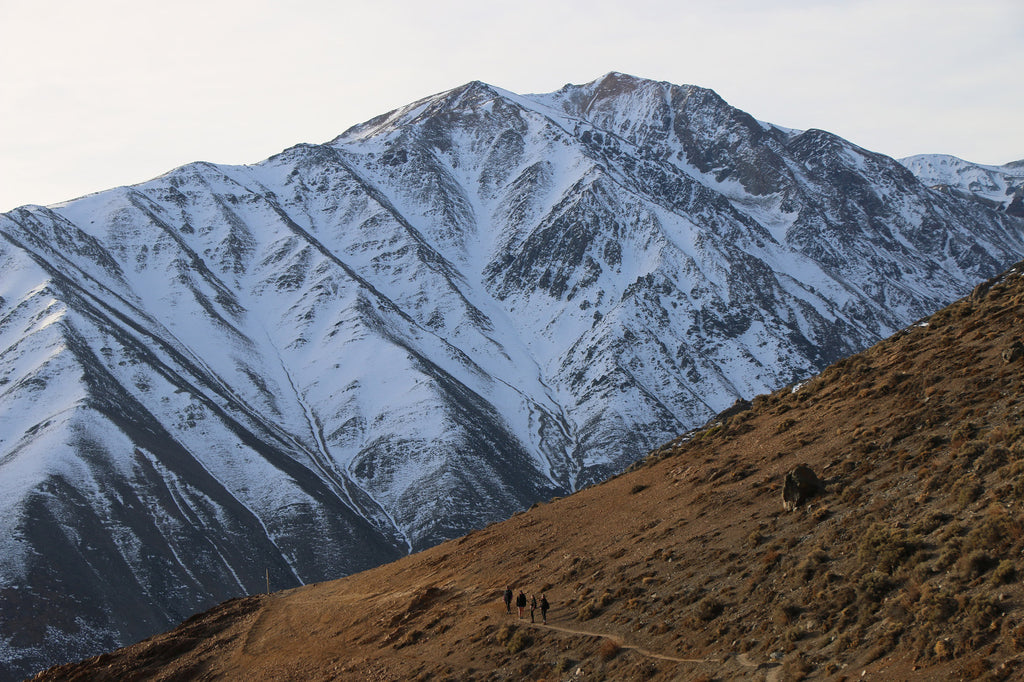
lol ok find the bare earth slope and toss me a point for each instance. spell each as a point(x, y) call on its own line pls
point(907, 566)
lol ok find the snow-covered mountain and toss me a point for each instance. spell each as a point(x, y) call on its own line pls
point(1001, 186)
point(314, 364)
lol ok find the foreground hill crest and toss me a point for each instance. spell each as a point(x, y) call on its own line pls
point(315, 364)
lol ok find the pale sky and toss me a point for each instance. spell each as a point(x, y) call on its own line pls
point(100, 93)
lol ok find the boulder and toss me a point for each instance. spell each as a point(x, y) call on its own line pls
point(801, 485)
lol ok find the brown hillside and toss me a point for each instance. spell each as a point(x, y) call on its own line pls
point(907, 566)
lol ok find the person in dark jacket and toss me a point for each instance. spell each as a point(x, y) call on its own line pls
point(521, 602)
point(533, 606)
point(508, 599)
point(544, 606)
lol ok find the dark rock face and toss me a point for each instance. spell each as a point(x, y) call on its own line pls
point(357, 349)
point(801, 484)
point(1016, 205)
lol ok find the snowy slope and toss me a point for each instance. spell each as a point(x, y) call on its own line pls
point(1001, 186)
point(317, 363)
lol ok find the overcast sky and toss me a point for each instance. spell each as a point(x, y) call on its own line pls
point(104, 93)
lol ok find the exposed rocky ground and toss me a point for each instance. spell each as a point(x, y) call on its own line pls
point(906, 564)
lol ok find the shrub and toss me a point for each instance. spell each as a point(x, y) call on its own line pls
point(936, 606)
point(811, 564)
point(645, 670)
point(587, 611)
point(563, 664)
point(883, 547)
point(708, 608)
point(1004, 573)
point(505, 633)
point(786, 614)
point(931, 522)
point(996, 457)
point(785, 425)
point(964, 432)
point(796, 667)
point(970, 491)
point(976, 564)
point(609, 650)
point(875, 585)
point(519, 641)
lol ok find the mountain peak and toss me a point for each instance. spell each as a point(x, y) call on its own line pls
point(351, 351)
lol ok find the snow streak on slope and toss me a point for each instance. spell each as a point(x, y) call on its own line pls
point(357, 349)
point(1001, 186)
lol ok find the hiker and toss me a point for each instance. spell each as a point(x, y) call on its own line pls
point(508, 599)
point(533, 606)
point(521, 602)
point(544, 606)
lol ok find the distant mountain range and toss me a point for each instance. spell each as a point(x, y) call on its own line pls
point(316, 364)
point(1000, 187)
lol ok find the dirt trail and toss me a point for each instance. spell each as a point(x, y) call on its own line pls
point(623, 645)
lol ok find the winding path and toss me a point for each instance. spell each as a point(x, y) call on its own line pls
point(623, 645)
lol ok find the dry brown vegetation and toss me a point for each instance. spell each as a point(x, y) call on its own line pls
point(687, 567)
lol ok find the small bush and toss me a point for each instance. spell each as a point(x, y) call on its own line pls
point(564, 664)
point(786, 614)
point(964, 432)
point(587, 611)
point(505, 633)
point(996, 457)
point(875, 585)
point(609, 650)
point(519, 641)
point(884, 547)
point(708, 608)
point(645, 670)
point(796, 667)
point(811, 564)
point(785, 425)
point(976, 564)
point(1004, 573)
point(936, 606)
point(969, 491)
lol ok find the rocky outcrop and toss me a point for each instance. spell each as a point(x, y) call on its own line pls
point(801, 485)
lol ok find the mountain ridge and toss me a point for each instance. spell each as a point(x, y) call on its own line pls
point(902, 564)
point(366, 347)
